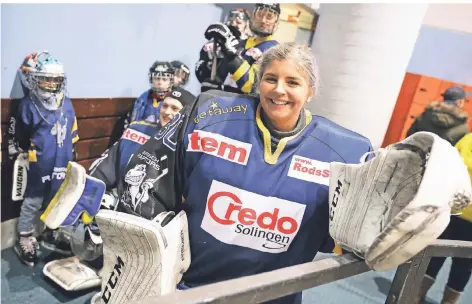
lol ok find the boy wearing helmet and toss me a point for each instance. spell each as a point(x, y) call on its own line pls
point(161, 78)
point(42, 136)
point(236, 61)
point(239, 18)
point(181, 73)
point(110, 168)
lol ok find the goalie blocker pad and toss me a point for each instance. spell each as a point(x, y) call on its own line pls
point(391, 207)
point(142, 258)
point(79, 195)
point(20, 177)
point(72, 274)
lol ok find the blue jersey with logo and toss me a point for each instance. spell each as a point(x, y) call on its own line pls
point(146, 108)
point(250, 209)
point(48, 136)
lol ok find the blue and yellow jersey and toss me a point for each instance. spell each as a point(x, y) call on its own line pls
point(48, 136)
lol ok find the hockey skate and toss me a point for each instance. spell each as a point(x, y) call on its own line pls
point(26, 248)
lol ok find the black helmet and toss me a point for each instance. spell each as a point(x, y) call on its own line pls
point(238, 13)
point(161, 69)
point(274, 8)
point(182, 71)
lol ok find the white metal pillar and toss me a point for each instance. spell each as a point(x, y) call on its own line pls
point(363, 51)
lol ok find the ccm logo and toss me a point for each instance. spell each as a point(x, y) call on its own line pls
point(135, 136)
point(112, 280)
point(220, 146)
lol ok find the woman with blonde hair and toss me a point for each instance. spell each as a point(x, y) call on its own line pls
point(251, 173)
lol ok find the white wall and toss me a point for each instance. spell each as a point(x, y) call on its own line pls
point(106, 49)
point(457, 17)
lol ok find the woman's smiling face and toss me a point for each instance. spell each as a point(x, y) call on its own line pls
point(284, 90)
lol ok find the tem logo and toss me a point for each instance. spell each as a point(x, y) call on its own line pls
point(136, 136)
point(220, 146)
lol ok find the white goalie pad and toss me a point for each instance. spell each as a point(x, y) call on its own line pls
point(80, 195)
point(20, 177)
point(142, 258)
point(391, 207)
point(72, 274)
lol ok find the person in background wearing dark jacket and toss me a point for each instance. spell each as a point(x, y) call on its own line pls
point(445, 119)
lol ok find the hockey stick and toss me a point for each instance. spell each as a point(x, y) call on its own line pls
point(213, 65)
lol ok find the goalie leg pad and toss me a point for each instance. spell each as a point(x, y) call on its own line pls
point(20, 177)
point(390, 208)
point(72, 274)
point(78, 195)
point(142, 258)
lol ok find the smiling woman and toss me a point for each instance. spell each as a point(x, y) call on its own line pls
point(288, 78)
point(247, 176)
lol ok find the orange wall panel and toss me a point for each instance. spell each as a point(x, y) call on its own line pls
point(427, 90)
point(402, 107)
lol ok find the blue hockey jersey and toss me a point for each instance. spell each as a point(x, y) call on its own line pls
point(48, 136)
point(250, 209)
point(111, 165)
point(146, 108)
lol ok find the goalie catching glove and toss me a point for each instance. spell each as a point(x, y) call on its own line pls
point(388, 209)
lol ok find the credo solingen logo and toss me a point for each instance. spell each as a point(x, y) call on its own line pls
point(112, 280)
point(239, 217)
point(215, 109)
point(310, 170)
point(220, 146)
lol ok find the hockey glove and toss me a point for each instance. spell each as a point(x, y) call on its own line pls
point(391, 207)
point(223, 36)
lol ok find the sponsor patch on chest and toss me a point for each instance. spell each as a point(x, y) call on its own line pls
point(136, 136)
point(309, 170)
point(239, 217)
point(220, 146)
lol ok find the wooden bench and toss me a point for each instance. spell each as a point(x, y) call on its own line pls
point(100, 123)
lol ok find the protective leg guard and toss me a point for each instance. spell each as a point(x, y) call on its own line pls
point(20, 177)
point(78, 195)
point(72, 274)
point(391, 207)
point(142, 258)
